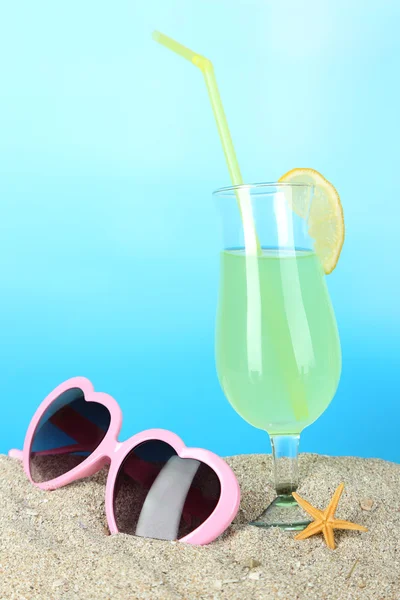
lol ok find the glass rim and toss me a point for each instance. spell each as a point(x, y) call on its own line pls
point(229, 190)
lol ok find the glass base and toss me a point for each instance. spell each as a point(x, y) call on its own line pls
point(283, 512)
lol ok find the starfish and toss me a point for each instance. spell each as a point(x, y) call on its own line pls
point(324, 520)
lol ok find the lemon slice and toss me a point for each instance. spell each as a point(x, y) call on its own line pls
point(325, 217)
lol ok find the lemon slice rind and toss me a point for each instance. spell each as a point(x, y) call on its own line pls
point(325, 216)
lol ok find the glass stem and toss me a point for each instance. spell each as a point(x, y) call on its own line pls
point(285, 453)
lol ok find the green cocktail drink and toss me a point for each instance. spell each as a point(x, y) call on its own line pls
point(299, 342)
point(278, 353)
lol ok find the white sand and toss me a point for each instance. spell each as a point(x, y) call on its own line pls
point(55, 545)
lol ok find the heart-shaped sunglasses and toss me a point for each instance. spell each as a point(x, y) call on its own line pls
point(156, 486)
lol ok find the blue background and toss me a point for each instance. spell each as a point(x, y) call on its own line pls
point(108, 235)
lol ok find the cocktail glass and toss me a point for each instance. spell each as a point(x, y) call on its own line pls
point(277, 345)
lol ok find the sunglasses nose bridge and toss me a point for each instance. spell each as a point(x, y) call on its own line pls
point(108, 451)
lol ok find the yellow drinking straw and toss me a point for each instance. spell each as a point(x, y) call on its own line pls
point(252, 244)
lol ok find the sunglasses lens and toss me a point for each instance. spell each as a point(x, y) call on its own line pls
point(68, 432)
point(159, 495)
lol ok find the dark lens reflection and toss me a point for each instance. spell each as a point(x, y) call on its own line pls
point(159, 495)
point(68, 432)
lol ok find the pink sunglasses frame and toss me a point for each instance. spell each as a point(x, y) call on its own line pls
point(111, 451)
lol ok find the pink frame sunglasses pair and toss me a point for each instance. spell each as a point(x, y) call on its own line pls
point(111, 451)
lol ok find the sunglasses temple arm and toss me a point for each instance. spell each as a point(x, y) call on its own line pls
point(64, 450)
point(163, 506)
point(15, 453)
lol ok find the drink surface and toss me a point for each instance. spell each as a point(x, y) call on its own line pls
point(277, 345)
